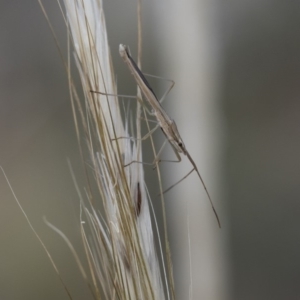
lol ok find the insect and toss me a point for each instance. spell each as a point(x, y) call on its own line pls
point(167, 125)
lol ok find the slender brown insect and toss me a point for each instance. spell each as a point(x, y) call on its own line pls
point(167, 125)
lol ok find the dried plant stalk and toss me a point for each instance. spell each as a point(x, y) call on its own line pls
point(121, 254)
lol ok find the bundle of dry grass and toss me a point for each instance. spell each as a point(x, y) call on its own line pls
point(119, 242)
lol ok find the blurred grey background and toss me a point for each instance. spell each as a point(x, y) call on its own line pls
point(254, 50)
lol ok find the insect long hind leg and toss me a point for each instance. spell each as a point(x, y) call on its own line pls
point(173, 185)
point(137, 162)
point(157, 160)
point(204, 186)
point(143, 138)
point(169, 88)
point(125, 96)
point(146, 136)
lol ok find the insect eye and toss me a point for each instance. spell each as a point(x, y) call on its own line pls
point(180, 144)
